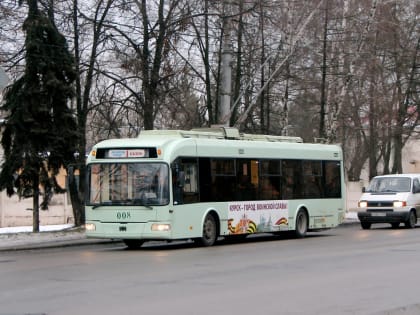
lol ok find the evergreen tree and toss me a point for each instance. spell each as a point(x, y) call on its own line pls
point(40, 132)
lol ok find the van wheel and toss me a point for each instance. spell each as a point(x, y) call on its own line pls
point(412, 220)
point(133, 244)
point(395, 225)
point(365, 225)
point(209, 231)
point(301, 224)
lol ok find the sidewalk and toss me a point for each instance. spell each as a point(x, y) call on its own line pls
point(51, 236)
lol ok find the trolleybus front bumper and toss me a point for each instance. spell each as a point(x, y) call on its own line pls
point(146, 230)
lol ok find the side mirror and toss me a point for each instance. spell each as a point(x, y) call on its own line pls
point(363, 189)
point(178, 176)
point(70, 169)
point(181, 179)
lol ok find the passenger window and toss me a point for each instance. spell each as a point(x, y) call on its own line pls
point(292, 179)
point(223, 179)
point(312, 175)
point(332, 179)
point(269, 183)
point(246, 179)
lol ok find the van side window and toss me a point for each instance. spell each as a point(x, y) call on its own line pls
point(416, 185)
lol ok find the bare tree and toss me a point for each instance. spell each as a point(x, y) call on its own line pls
point(296, 38)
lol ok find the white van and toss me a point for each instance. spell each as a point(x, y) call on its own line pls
point(391, 199)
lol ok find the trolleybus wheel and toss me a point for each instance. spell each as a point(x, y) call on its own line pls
point(412, 220)
point(133, 244)
point(301, 224)
point(209, 231)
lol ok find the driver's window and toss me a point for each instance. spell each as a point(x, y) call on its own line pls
point(187, 192)
point(416, 185)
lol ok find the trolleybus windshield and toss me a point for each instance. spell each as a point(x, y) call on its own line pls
point(144, 184)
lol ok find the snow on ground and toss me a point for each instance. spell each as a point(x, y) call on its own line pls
point(42, 228)
point(350, 215)
point(15, 237)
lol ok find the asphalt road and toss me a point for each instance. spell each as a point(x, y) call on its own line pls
point(341, 271)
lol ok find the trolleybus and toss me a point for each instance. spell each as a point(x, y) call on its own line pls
point(205, 184)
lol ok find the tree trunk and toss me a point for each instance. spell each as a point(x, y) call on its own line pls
point(206, 60)
point(35, 205)
point(397, 158)
point(372, 145)
point(76, 201)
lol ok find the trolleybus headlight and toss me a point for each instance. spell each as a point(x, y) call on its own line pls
point(399, 204)
point(90, 227)
point(158, 227)
point(363, 204)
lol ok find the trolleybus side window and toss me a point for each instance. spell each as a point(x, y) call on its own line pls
point(270, 180)
point(292, 179)
point(312, 179)
point(332, 179)
point(223, 179)
point(204, 177)
point(247, 179)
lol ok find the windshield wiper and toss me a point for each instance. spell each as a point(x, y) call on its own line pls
point(139, 202)
point(129, 202)
point(105, 203)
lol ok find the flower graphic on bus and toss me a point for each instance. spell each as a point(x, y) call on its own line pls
point(281, 221)
point(244, 226)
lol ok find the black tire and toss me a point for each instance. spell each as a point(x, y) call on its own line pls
point(411, 221)
point(302, 223)
point(209, 231)
point(365, 225)
point(133, 244)
point(395, 225)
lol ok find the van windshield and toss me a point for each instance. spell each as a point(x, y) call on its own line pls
point(389, 184)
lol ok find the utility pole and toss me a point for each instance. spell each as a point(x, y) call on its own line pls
point(223, 116)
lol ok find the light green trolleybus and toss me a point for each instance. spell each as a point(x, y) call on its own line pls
point(205, 184)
